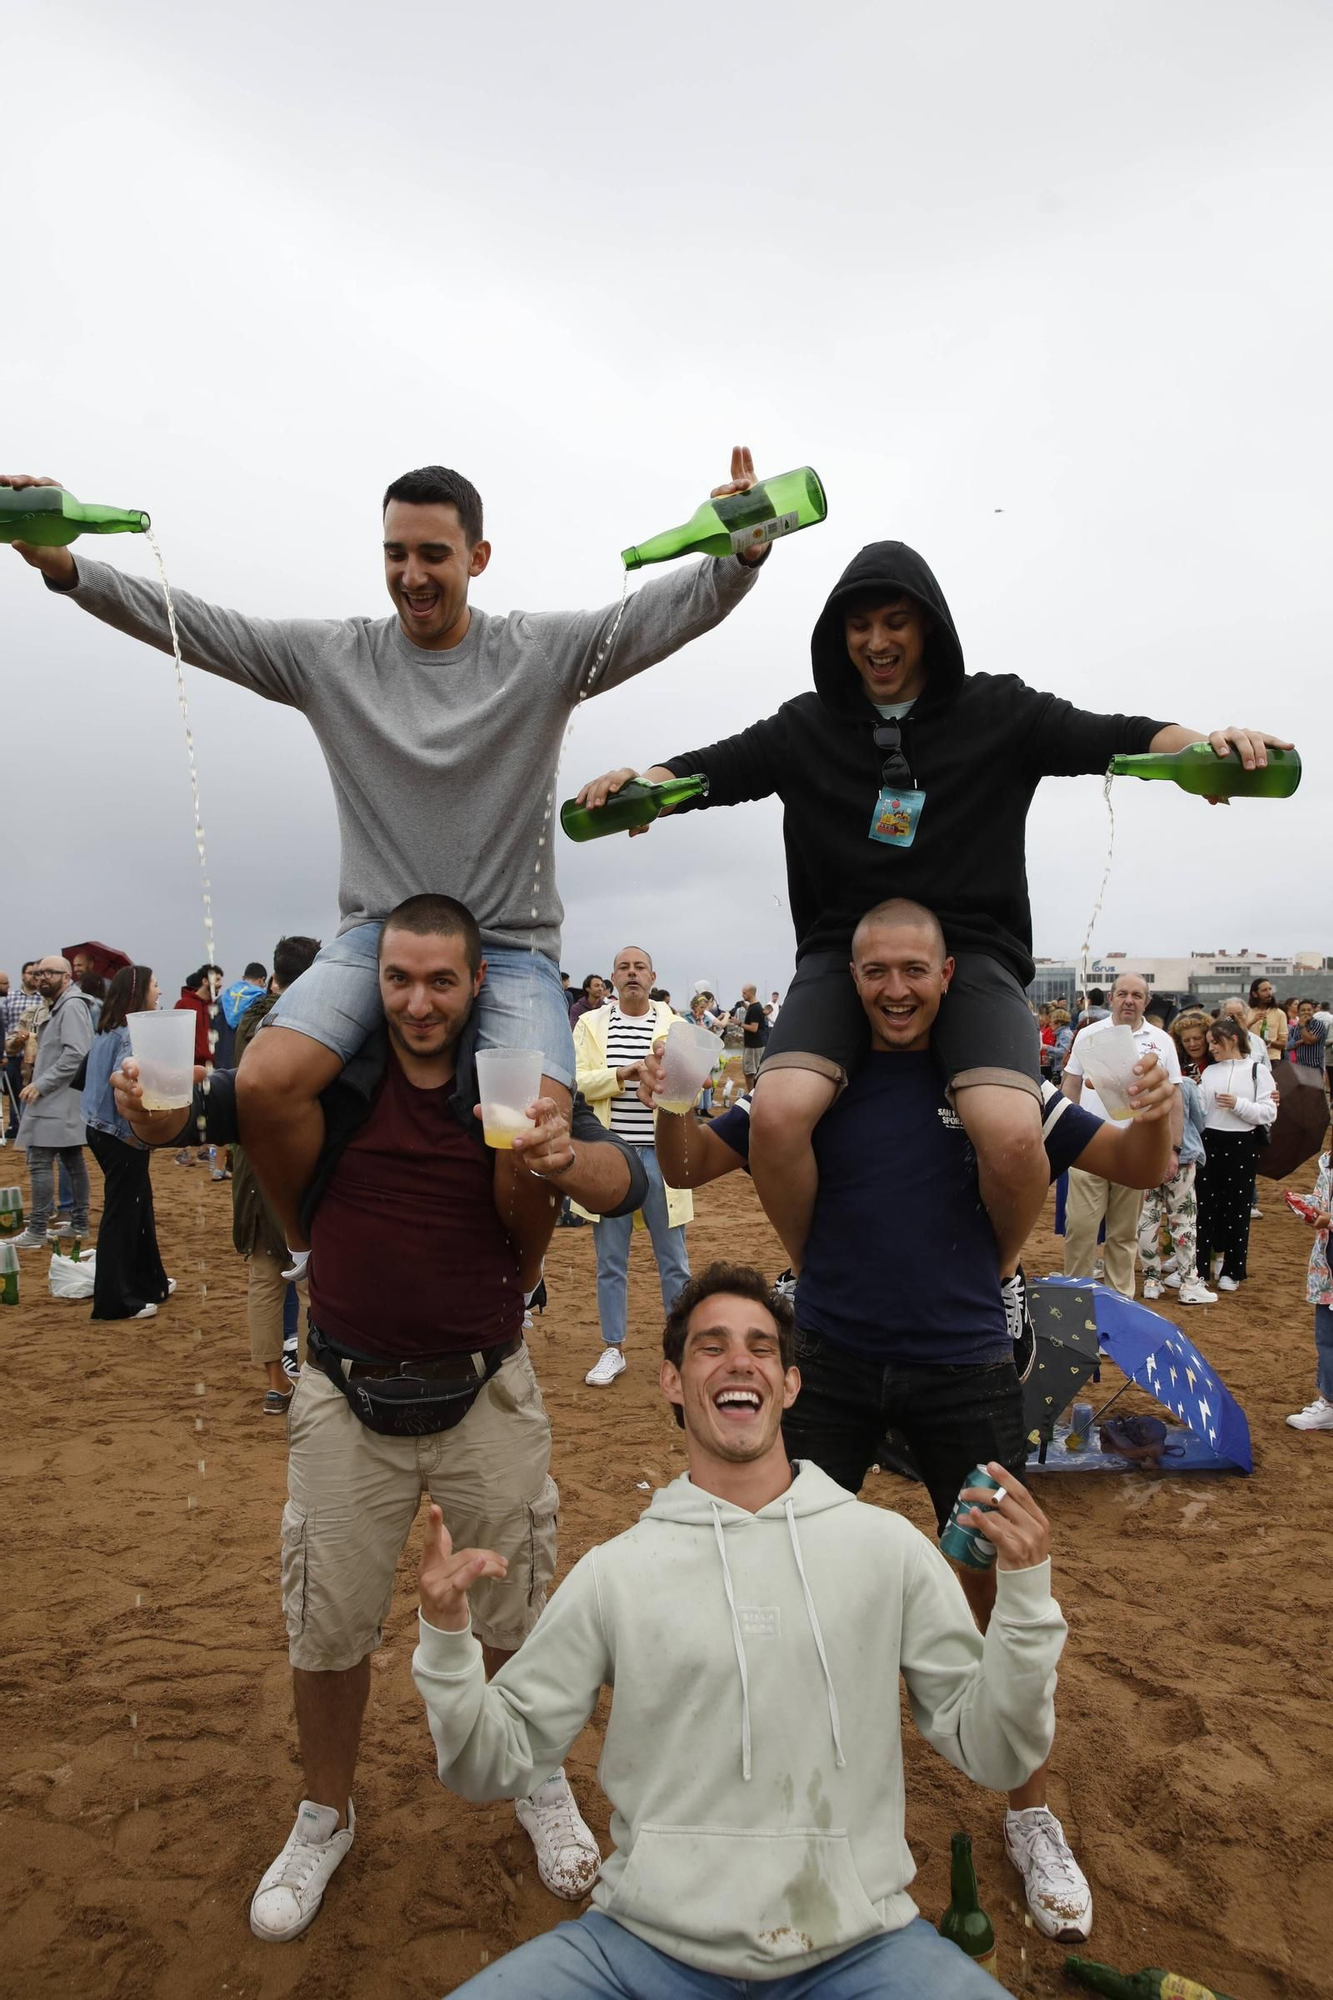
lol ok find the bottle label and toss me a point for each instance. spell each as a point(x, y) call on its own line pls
point(762, 533)
point(987, 1964)
point(1176, 1987)
point(896, 817)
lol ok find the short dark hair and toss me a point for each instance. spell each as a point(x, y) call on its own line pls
point(1096, 997)
point(589, 979)
point(440, 486)
point(1229, 1029)
point(196, 979)
point(127, 994)
point(291, 957)
point(27, 965)
point(436, 916)
point(255, 971)
point(739, 1281)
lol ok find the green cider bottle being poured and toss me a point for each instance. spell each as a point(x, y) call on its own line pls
point(1198, 768)
point(965, 1923)
point(1150, 1984)
point(736, 523)
point(635, 804)
point(50, 518)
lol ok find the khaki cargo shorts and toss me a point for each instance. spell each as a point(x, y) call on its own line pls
point(353, 1496)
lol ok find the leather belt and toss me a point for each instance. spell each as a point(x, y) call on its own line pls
point(474, 1367)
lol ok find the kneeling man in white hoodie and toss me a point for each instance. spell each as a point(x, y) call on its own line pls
point(752, 1627)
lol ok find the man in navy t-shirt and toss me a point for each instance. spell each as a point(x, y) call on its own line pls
point(899, 1315)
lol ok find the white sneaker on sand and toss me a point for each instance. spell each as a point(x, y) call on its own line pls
point(1225, 1284)
point(291, 1890)
point(1196, 1293)
point(1057, 1889)
point(1171, 1278)
point(145, 1312)
point(1256, 1215)
point(568, 1857)
point(611, 1364)
point(1316, 1416)
point(1151, 1289)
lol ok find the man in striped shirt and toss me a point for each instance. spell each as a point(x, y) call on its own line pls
point(611, 1044)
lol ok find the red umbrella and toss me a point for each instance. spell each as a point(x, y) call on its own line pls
point(106, 960)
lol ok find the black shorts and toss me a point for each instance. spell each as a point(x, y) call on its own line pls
point(984, 1033)
point(950, 1418)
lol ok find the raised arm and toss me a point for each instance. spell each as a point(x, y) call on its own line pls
point(749, 765)
point(271, 657)
point(500, 1739)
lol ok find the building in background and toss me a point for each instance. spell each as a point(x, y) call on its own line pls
point(1208, 977)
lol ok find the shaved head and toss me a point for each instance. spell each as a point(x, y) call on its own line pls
point(898, 913)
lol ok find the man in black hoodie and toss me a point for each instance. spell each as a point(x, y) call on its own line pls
point(904, 775)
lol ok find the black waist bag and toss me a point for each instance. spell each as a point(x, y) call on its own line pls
point(406, 1405)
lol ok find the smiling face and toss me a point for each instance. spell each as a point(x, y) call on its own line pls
point(901, 974)
point(887, 645)
point(427, 567)
point(427, 988)
point(731, 1386)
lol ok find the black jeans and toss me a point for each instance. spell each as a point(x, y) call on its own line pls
point(128, 1273)
point(952, 1418)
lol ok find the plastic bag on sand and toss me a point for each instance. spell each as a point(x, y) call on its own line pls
point(70, 1280)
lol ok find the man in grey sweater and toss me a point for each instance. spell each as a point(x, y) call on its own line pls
point(441, 728)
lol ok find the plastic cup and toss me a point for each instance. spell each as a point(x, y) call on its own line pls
point(688, 1057)
point(162, 1043)
point(1108, 1058)
point(507, 1082)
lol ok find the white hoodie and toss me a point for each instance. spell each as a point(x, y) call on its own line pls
point(753, 1757)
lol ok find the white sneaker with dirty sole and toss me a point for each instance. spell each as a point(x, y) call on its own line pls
point(1196, 1293)
point(291, 1890)
point(611, 1364)
point(1057, 1889)
point(1316, 1416)
point(1151, 1289)
point(568, 1857)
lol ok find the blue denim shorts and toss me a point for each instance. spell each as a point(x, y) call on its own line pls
point(521, 1005)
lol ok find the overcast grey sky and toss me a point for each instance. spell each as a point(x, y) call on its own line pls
point(1063, 262)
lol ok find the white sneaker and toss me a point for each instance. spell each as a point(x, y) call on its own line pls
point(568, 1858)
point(611, 1364)
point(295, 1271)
point(31, 1239)
point(1256, 1215)
point(1225, 1284)
point(1171, 1278)
point(291, 1890)
point(145, 1312)
point(1057, 1889)
point(1151, 1289)
point(1196, 1293)
point(1316, 1416)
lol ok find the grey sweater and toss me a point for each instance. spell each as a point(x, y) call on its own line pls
point(443, 764)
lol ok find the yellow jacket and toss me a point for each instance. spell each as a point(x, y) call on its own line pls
point(599, 1086)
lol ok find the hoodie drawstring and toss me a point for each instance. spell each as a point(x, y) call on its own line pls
point(838, 1757)
point(739, 1645)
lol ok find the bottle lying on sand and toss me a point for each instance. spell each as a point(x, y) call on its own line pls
point(736, 523)
point(635, 804)
point(50, 518)
point(965, 1923)
point(1198, 768)
point(1151, 1984)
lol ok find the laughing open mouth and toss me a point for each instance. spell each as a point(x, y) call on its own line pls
point(738, 1402)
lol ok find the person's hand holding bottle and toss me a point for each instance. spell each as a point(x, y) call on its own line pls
point(56, 565)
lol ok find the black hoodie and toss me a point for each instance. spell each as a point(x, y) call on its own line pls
point(977, 746)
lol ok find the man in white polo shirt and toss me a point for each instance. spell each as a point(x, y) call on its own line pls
point(610, 1045)
point(1090, 1198)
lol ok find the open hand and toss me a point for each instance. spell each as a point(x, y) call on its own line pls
point(1250, 745)
point(57, 564)
point(1011, 1519)
point(448, 1573)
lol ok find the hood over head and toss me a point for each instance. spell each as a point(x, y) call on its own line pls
point(893, 570)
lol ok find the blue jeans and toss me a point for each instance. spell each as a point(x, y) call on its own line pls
point(1323, 1347)
point(595, 1958)
point(611, 1237)
point(522, 1004)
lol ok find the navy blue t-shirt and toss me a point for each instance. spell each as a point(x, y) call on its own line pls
point(901, 1262)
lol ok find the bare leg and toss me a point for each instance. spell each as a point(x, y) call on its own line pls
point(281, 1118)
point(1004, 1126)
point(527, 1206)
point(329, 1708)
point(788, 1104)
point(979, 1590)
point(277, 1376)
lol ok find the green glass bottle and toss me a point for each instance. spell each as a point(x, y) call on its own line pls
point(1198, 768)
point(635, 804)
point(965, 1923)
point(9, 1275)
point(1150, 1984)
point(50, 518)
point(739, 522)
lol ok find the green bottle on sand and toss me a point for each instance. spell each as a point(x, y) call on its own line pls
point(635, 804)
point(50, 518)
point(965, 1923)
point(1150, 1984)
point(737, 523)
point(1198, 768)
point(9, 1275)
